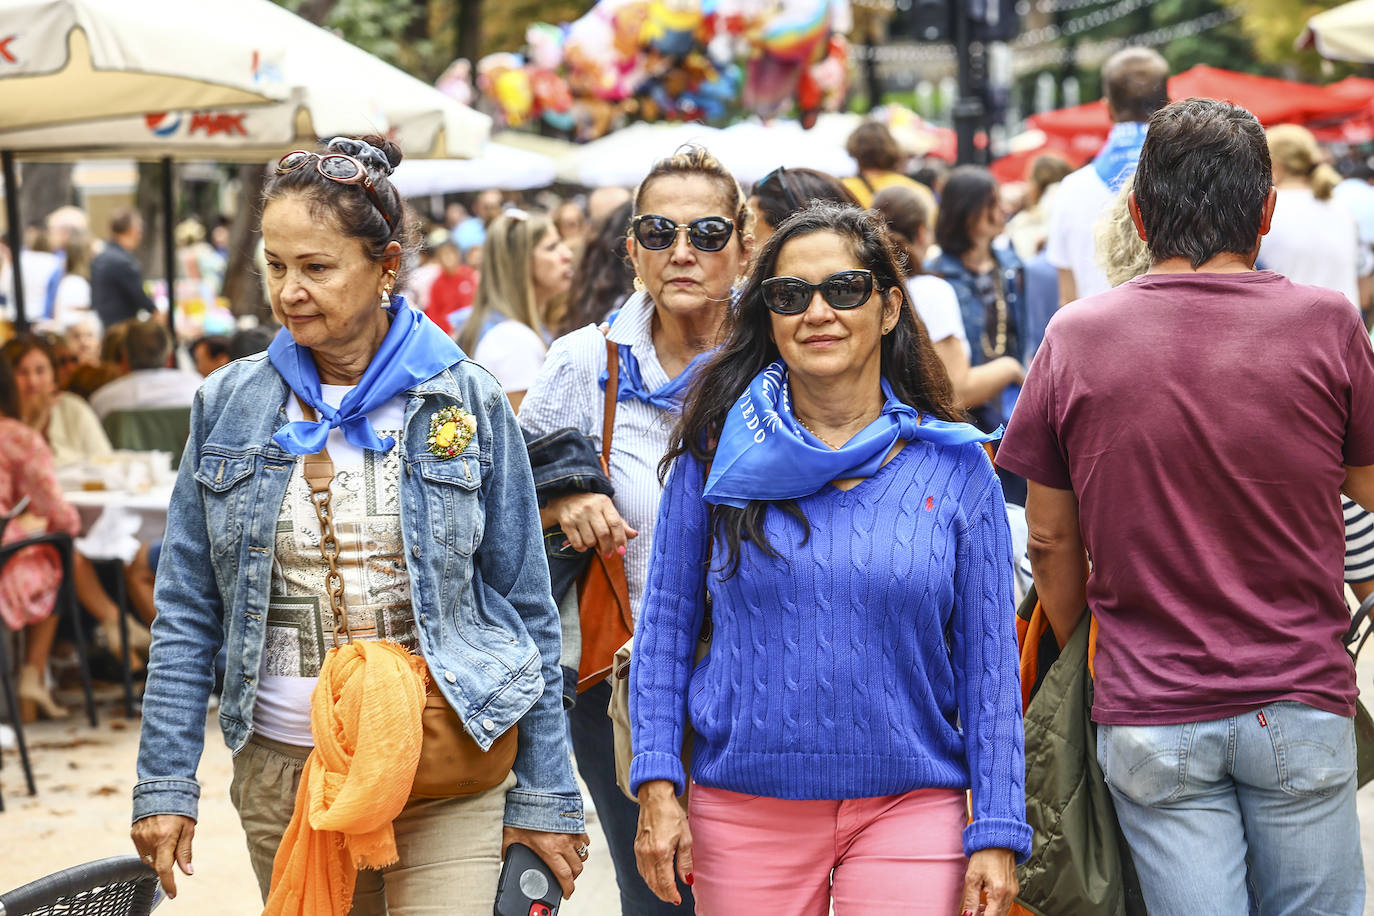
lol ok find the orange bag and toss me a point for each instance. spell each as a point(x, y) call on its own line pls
point(603, 594)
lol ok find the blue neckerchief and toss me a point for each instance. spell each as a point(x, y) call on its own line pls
point(765, 454)
point(1118, 159)
point(630, 379)
point(413, 350)
point(54, 281)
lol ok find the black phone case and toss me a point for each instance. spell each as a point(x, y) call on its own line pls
point(527, 886)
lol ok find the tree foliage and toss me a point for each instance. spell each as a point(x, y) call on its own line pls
point(1274, 25)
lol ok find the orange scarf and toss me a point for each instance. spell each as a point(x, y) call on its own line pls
point(365, 716)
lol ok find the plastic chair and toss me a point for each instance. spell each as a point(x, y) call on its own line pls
point(119, 886)
point(145, 428)
point(66, 603)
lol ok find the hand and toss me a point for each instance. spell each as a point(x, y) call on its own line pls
point(163, 839)
point(991, 877)
point(590, 520)
point(663, 834)
point(558, 850)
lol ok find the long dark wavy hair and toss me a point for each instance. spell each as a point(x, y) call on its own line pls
point(909, 362)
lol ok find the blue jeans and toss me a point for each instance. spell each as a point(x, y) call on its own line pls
point(1266, 797)
point(593, 744)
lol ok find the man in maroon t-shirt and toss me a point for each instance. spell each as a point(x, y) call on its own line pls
point(1189, 431)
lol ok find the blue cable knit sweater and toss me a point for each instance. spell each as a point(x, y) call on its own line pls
point(876, 658)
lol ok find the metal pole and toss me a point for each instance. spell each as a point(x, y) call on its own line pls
point(16, 236)
point(968, 109)
point(169, 245)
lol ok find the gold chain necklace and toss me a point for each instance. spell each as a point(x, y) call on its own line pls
point(990, 350)
point(808, 428)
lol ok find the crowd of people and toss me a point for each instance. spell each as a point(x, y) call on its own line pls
point(765, 416)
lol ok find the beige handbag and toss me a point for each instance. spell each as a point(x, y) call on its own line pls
point(619, 709)
point(451, 763)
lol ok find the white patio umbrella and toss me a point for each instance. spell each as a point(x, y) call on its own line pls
point(62, 61)
point(504, 167)
point(752, 149)
point(1343, 33)
point(334, 88)
point(625, 156)
point(67, 60)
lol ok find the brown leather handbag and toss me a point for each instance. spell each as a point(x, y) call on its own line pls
point(451, 763)
point(603, 594)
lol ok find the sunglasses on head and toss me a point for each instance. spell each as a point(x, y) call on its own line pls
point(335, 167)
point(779, 175)
point(710, 233)
point(847, 289)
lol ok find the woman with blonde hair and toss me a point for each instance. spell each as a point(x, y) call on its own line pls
point(1313, 239)
point(525, 269)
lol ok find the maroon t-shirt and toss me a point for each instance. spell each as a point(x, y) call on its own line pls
point(1202, 421)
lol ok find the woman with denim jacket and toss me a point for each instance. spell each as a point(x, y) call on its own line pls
point(439, 547)
point(989, 281)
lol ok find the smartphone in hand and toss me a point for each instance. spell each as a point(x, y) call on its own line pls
point(527, 886)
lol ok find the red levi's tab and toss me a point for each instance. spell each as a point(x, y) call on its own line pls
point(1264, 723)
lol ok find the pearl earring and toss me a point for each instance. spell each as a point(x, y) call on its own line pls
point(639, 284)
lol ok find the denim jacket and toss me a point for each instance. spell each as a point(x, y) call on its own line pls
point(487, 624)
point(971, 305)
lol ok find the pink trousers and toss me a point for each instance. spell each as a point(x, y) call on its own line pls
point(755, 855)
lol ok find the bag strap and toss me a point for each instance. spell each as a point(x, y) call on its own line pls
point(1359, 632)
point(612, 391)
point(318, 471)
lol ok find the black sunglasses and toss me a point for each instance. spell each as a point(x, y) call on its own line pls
point(779, 175)
point(710, 233)
point(335, 167)
point(847, 289)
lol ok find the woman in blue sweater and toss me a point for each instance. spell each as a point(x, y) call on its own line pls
point(847, 534)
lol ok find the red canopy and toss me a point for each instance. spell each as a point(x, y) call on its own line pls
point(1083, 128)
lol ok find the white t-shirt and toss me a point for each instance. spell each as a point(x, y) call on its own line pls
point(282, 710)
point(937, 305)
point(1082, 197)
point(73, 300)
point(1315, 242)
point(513, 353)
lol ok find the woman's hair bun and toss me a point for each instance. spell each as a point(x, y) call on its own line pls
point(374, 151)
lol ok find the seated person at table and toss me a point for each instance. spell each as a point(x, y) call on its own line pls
point(29, 582)
point(210, 352)
point(64, 420)
point(149, 384)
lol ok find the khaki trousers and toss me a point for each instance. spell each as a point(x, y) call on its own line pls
point(449, 849)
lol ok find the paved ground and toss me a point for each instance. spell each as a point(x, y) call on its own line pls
point(81, 813)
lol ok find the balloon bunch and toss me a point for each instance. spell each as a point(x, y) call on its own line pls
point(689, 60)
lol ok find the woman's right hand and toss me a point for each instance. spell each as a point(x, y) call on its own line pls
point(663, 835)
point(590, 520)
point(163, 839)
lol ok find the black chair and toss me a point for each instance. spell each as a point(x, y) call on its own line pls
point(120, 886)
point(66, 603)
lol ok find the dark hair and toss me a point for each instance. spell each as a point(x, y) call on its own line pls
point(695, 160)
point(9, 391)
point(1203, 180)
point(904, 211)
point(604, 276)
point(21, 345)
point(872, 146)
point(147, 345)
point(122, 220)
point(215, 345)
point(909, 362)
point(1136, 83)
point(249, 341)
point(87, 380)
point(349, 207)
point(805, 187)
point(112, 345)
point(969, 190)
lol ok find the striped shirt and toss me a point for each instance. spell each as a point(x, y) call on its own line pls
point(568, 393)
point(1359, 542)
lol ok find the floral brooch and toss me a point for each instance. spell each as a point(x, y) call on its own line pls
point(450, 431)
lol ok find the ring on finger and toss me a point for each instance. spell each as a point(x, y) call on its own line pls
point(581, 851)
point(148, 859)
